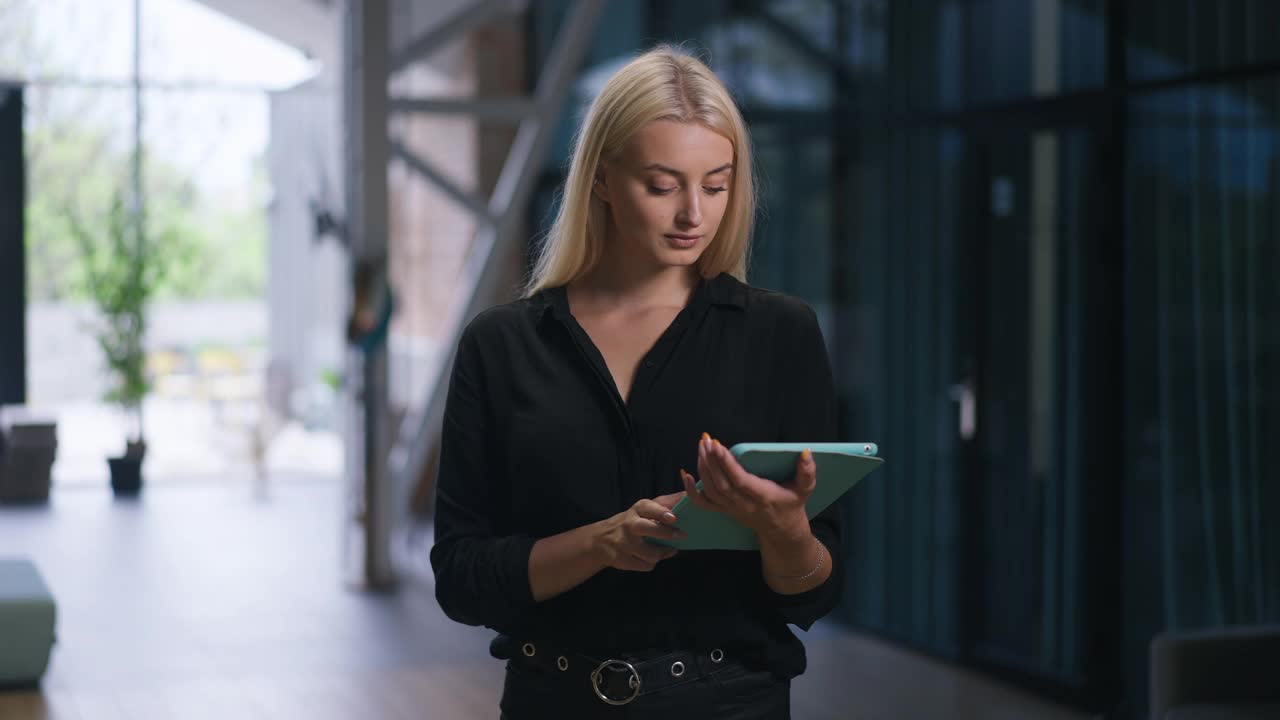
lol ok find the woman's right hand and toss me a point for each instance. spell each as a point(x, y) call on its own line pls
point(620, 540)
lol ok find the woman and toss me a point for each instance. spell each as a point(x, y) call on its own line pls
point(579, 415)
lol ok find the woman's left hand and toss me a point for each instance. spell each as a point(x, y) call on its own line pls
point(767, 507)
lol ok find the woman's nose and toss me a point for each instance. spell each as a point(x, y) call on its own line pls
point(691, 210)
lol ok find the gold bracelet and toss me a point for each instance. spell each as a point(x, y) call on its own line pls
point(822, 558)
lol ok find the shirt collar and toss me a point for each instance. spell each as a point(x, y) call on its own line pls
point(724, 290)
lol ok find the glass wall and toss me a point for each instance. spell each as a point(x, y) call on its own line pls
point(1040, 267)
point(895, 339)
point(201, 151)
point(1202, 359)
point(1168, 40)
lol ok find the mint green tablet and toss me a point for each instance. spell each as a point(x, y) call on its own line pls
point(839, 466)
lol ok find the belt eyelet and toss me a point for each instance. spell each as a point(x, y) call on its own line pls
point(529, 650)
point(562, 662)
point(717, 655)
point(677, 669)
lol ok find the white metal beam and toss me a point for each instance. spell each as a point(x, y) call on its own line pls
point(369, 523)
point(503, 109)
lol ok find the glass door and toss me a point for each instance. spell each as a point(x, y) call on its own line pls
point(1030, 401)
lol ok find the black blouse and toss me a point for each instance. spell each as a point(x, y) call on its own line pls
point(537, 441)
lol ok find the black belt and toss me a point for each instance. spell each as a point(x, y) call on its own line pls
point(619, 680)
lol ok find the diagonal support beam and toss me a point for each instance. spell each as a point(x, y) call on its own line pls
point(464, 21)
point(789, 34)
point(428, 171)
point(520, 171)
point(477, 283)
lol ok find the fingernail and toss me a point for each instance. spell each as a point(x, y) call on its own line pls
point(668, 517)
point(808, 456)
point(705, 437)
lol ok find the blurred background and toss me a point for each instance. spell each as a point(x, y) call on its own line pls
point(1041, 238)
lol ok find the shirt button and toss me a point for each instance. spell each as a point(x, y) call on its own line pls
point(648, 363)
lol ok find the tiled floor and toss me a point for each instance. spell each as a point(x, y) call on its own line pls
point(211, 602)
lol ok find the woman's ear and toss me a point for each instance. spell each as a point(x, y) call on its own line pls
point(599, 185)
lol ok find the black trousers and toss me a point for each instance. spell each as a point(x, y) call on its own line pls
point(735, 692)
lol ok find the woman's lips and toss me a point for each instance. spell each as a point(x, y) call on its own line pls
point(683, 241)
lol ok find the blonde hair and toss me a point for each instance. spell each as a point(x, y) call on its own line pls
point(665, 83)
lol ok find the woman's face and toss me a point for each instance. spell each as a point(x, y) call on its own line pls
point(667, 191)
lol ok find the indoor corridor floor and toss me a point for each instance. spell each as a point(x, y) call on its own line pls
point(213, 601)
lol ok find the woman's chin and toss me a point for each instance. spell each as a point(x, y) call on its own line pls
point(674, 251)
point(680, 258)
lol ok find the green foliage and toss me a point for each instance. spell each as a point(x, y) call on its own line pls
point(124, 263)
point(216, 252)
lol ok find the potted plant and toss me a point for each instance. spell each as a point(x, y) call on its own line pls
point(123, 266)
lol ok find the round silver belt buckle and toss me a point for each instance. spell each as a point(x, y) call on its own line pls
point(633, 681)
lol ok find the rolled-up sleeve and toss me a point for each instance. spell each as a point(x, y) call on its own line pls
point(808, 403)
point(481, 567)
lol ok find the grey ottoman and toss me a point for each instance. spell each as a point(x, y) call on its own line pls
point(26, 623)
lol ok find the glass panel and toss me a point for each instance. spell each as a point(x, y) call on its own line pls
point(78, 145)
point(948, 54)
point(1029, 402)
point(206, 179)
point(814, 20)
point(866, 49)
point(896, 355)
point(765, 70)
point(927, 55)
point(618, 36)
point(205, 194)
point(1203, 361)
point(792, 244)
point(1039, 48)
point(1171, 39)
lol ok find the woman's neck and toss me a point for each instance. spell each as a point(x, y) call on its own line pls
point(615, 286)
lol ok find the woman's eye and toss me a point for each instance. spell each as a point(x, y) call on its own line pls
point(714, 190)
point(660, 190)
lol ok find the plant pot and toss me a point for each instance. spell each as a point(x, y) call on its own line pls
point(126, 476)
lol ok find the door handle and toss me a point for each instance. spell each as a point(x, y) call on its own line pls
point(963, 395)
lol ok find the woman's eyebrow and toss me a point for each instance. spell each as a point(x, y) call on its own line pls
point(677, 173)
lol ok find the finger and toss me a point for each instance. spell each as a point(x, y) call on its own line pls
point(695, 495)
point(669, 501)
point(710, 487)
point(653, 510)
point(743, 486)
point(719, 477)
point(806, 473)
point(735, 477)
point(654, 520)
point(649, 528)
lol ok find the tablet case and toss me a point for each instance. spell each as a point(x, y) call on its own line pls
point(839, 467)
